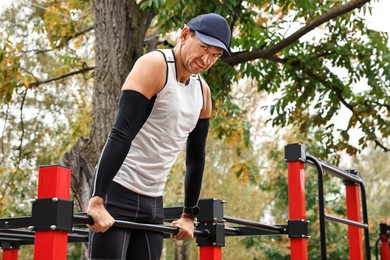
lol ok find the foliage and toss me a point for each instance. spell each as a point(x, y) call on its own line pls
point(306, 73)
point(40, 122)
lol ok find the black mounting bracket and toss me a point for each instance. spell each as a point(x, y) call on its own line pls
point(298, 228)
point(295, 153)
point(52, 214)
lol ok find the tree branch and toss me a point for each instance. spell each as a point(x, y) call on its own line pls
point(64, 42)
point(382, 146)
point(309, 72)
point(20, 153)
point(84, 70)
point(244, 56)
point(3, 154)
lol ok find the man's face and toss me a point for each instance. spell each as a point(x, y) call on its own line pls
point(198, 55)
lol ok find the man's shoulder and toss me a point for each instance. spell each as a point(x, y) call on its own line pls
point(152, 59)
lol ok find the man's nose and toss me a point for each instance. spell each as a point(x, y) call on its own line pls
point(206, 59)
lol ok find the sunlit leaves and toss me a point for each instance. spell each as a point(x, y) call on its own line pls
point(10, 74)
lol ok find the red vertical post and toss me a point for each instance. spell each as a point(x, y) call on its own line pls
point(211, 218)
point(384, 237)
point(295, 155)
point(355, 237)
point(10, 254)
point(210, 253)
point(53, 182)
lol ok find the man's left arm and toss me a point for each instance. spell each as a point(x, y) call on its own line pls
point(195, 161)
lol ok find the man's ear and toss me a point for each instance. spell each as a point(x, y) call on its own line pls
point(185, 33)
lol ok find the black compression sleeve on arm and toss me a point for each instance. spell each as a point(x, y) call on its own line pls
point(195, 161)
point(129, 119)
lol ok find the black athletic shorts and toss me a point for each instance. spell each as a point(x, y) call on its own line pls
point(119, 243)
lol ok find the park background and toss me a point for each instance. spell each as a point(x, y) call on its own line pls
point(327, 88)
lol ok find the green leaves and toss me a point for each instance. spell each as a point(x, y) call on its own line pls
point(156, 4)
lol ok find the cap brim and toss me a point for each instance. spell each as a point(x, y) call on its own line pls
point(212, 41)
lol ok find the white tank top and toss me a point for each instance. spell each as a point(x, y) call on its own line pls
point(157, 145)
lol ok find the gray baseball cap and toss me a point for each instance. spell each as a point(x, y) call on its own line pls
point(212, 29)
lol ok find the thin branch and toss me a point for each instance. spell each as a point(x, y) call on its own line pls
point(82, 71)
point(20, 149)
point(62, 43)
point(309, 72)
point(244, 56)
point(382, 146)
point(22, 126)
point(3, 135)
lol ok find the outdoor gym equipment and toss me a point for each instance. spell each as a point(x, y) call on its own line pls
point(53, 223)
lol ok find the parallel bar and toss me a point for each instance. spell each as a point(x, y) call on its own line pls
point(365, 220)
point(275, 229)
point(231, 231)
point(85, 219)
point(336, 171)
point(22, 238)
point(248, 231)
point(27, 237)
point(17, 222)
point(346, 221)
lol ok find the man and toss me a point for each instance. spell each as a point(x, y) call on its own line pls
point(164, 105)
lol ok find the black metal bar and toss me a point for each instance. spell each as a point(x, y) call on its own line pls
point(346, 221)
point(248, 231)
point(321, 203)
point(376, 248)
point(17, 222)
point(334, 170)
point(346, 176)
point(231, 231)
point(26, 237)
point(275, 229)
point(85, 219)
point(365, 220)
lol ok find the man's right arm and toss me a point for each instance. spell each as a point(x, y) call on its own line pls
point(133, 106)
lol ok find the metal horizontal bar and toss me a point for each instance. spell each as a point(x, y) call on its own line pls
point(14, 236)
point(335, 171)
point(17, 222)
point(85, 219)
point(253, 224)
point(346, 221)
point(231, 231)
point(26, 237)
point(248, 231)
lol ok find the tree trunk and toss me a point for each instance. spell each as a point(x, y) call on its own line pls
point(182, 249)
point(120, 29)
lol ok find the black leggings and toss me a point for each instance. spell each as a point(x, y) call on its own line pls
point(119, 243)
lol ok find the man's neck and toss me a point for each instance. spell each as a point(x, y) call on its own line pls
point(182, 74)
